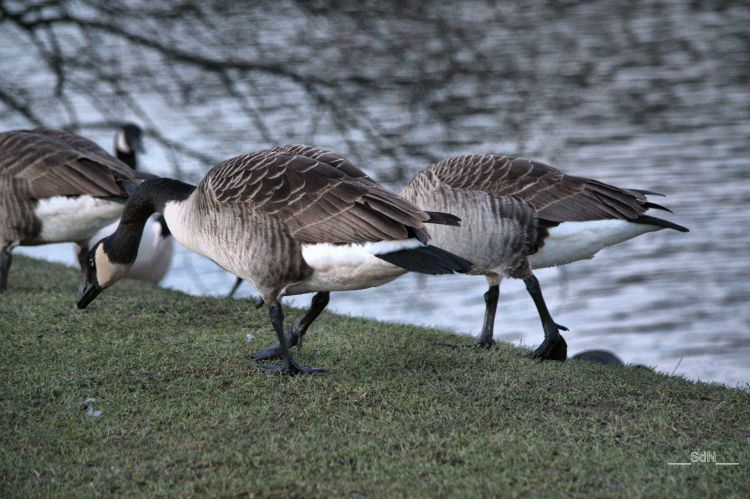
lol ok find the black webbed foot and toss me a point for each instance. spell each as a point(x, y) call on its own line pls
point(274, 351)
point(552, 348)
point(290, 368)
point(268, 353)
point(486, 343)
point(288, 365)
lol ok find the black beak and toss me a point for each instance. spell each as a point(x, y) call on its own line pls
point(89, 293)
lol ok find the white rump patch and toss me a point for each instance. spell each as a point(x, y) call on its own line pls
point(342, 267)
point(75, 218)
point(324, 255)
point(573, 241)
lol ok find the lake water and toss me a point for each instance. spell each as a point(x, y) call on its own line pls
point(653, 98)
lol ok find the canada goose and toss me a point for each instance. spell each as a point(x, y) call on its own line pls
point(519, 214)
point(55, 187)
point(292, 220)
point(129, 143)
point(157, 245)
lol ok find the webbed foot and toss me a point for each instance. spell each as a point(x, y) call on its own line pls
point(552, 348)
point(274, 351)
point(290, 368)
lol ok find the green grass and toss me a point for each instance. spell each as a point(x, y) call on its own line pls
point(397, 415)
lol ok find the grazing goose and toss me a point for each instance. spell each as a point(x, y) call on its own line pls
point(292, 220)
point(517, 214)
point(157, 245)
point(55, 187)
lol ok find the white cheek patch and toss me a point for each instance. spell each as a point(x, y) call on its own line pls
point(122, 144)
point(107, 272)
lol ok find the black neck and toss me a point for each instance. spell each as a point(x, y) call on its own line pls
point(150, 197)
point(163, 227)
point(127, 157)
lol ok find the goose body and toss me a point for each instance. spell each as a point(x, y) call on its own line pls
point(292, 219)
point(157, 245)
point(56, 186)
point(519, 214)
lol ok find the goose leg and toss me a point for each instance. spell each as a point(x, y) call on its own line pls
point(295, 333)
point(5, 259)
point(258, 300)
point(288, 364)
point(490, 308)
point(553, 347)
point(490, 301)
point(236, 286)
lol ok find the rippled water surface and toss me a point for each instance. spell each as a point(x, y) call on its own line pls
point(658, 100)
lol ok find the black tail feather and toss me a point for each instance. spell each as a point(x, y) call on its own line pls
point(649, 204)
point(427, 260)
point(438, 217)
point(659, 222)
point(546, 224)
point(647, 193)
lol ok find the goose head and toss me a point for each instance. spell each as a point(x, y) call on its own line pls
point(129, 139)
point(101, 273)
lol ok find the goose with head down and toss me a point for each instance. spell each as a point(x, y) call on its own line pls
point(292, 220)
point(157, 245)
point(519, 214)
point(56, 186)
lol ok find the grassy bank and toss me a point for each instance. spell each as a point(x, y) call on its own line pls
point(398, 415)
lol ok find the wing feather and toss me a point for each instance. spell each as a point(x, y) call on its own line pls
point(557, 197)
point(319, 196)
point(60, 163)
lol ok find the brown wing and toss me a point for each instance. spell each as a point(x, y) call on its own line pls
point(325, 156)
point(316, 201)
point(59, 163)
point(348, 168)
point(557, 197)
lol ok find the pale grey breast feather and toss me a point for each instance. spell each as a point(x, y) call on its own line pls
point(59, 163)
point(317, 202)
point(556, 196)
point(251, 244)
